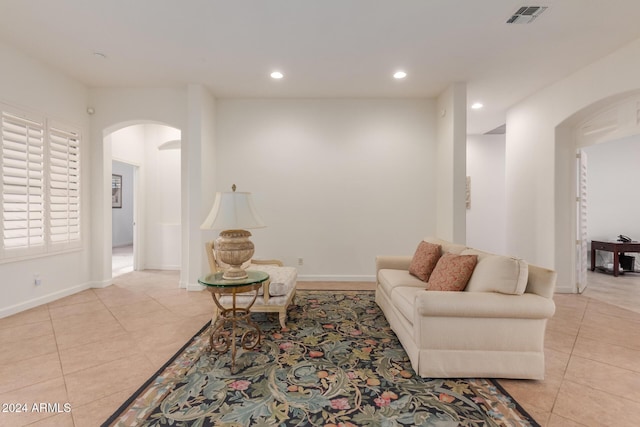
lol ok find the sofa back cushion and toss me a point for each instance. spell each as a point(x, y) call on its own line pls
point(452, 272)
point(497, 273)
point(424, 260)
point(447, 247)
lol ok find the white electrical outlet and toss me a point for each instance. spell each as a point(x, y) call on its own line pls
point(300, 261)
point(36, 279)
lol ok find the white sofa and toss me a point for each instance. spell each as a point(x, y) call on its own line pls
point(493, 329)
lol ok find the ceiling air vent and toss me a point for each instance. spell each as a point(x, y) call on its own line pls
point(526, 14)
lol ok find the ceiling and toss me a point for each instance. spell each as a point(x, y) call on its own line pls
point(325, 48)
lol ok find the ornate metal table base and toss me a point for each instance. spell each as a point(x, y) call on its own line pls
point(233, 323)
point(226, 329)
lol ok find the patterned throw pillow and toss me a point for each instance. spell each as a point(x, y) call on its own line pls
point(452, 272)
point(424, 260)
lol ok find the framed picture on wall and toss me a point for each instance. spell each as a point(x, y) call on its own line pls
point(116, 191)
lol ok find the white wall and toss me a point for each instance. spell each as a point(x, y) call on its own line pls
point(33, 86)
point(337, 181)
point(486, 217)
point(122, 218)
point(540, 209)
point(163, 199)
point(613, 204)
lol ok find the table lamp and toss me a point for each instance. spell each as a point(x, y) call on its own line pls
point(233, 212)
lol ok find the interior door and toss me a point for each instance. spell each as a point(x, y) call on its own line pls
point(581, 232)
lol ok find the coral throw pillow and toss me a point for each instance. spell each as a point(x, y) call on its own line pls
point(452, 272)
point(424, 260)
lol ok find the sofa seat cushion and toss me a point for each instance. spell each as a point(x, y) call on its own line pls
point(497, 273)
point(404, 298)
point(389, 279)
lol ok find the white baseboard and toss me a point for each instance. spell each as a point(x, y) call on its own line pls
point(161, 267)
point(17, 308)
point(101, 284)
point(565, 289)
point(194, 287)
point(334, 278)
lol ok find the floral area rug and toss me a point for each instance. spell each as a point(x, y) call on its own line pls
point(339, 364)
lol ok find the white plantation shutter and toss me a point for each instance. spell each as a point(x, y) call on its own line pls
point(39, 185)
point(22, 185)
point(64, 185)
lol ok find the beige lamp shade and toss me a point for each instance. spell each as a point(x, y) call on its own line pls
point(233, 213)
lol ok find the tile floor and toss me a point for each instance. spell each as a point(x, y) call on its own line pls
point(121, 260)
point(95, 348)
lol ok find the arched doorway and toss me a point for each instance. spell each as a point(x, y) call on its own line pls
point(609, 119)
point(154, 150)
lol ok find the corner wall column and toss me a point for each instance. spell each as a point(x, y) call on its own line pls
point(452, 163)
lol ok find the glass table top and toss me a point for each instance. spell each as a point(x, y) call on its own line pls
point(216, 280)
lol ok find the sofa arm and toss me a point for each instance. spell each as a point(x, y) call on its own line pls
point(483, 304)
point(393, 262)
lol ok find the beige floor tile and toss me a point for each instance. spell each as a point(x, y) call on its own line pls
point(585, 405)
point(33, 315)
point(151, 320)
point(101, 381)
point(176, 334)
point(81, 357)
point(97, 412)
point(142, 307)
point(566, 321)
point(24, 332)
point(188, 308)
point(558, 421)
point(600, 376)
point(555, 363)
point(538, 395)
point(163, 292)
point(60, 420)
point(601, 307)
point(29, 372)
point(611, 330)
point(80, 297)
point(72, 322)
point(559, 341)
point(27, 348)
point(61, 311)
point(88, 334)
point(124, 299)
point(52, 391)
point(616, 355)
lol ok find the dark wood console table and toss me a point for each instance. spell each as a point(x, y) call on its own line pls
point(617, 248)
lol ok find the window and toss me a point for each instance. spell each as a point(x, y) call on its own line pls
point(64, 186)
point(40, 185)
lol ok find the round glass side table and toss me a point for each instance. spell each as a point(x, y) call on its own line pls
point(233, 320)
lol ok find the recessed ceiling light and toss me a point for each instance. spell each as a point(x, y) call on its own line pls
point(477, 105)
point(399, 75)
point(277, 75)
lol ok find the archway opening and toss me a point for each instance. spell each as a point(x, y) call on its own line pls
point(147, 213)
